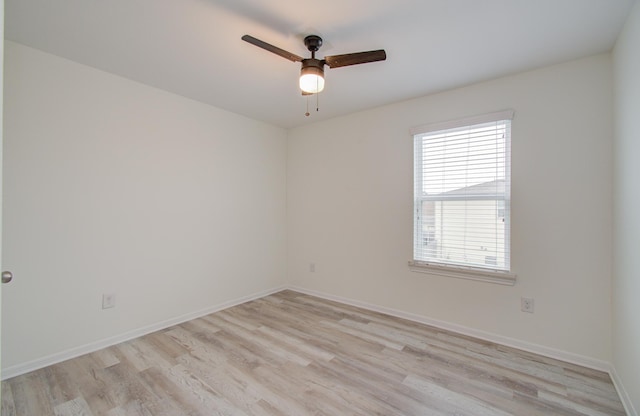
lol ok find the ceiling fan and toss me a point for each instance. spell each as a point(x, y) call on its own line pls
point(312, 72)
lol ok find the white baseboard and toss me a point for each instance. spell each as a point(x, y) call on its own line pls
point(460, 329)
point(622, 392)
point(23, 368)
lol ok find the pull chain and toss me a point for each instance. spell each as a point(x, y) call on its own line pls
point(307, 113)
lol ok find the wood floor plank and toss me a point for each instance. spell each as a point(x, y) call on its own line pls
point(29, 395)
point(75, 407)
point(8, 406)
point(295, 354)
point(132, 408)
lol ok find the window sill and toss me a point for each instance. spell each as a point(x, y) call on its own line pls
point(460, 272)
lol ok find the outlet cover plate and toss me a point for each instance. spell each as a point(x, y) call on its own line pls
point(526, 305)
point(108, 300)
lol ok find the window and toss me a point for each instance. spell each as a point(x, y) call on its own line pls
point(462, 175)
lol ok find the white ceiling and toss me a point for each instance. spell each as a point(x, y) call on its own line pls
point(193, 47)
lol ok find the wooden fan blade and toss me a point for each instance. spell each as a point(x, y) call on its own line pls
point(273, 49)
point(336, 61)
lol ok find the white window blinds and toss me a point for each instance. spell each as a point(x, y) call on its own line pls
point(462, 192)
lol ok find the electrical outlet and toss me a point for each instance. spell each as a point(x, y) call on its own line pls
point(312, 267)
point(526, 305)
point(108, 301)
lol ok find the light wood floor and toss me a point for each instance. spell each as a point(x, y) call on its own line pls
point(293, 354)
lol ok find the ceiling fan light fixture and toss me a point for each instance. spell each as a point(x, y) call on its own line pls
point(312, 72)
point(312, 76)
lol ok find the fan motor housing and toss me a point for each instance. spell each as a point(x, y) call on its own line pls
point(313, 63)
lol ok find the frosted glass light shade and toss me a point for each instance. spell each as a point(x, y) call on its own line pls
point(312, 79)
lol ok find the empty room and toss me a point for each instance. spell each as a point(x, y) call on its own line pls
point(252, 207)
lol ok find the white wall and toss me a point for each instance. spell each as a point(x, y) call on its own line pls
point(113, 186)
point(626, 247)
point(349, 191)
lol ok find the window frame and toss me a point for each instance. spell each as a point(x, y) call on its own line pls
point(488, 274)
